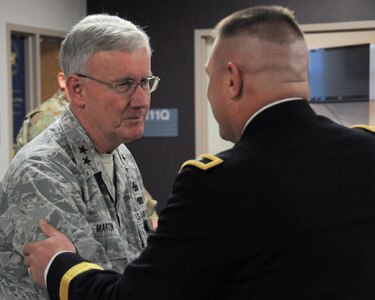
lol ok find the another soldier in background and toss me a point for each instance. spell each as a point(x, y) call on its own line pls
point(78, 172)
point(41, 117)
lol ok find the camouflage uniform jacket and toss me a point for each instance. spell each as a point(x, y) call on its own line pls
point(40, 118)
point(59, 176)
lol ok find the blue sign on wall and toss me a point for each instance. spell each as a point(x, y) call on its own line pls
point(18, 82)
point(161, 122)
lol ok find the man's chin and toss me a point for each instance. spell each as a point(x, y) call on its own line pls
point(133, 136)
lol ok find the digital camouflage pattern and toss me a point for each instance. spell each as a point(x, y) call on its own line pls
point(58, 176)
point(40, 118)
point(37, 120)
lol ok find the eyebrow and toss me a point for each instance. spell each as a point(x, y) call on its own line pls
point(123, 79)
point(130, 78)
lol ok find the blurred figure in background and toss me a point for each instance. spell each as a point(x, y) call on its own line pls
point(41, 117)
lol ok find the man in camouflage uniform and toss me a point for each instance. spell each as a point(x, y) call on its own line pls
point(78, 174)
point(41, 117)
point(37, 120)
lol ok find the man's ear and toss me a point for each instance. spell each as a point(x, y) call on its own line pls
point(74, 85)
point(235, 80)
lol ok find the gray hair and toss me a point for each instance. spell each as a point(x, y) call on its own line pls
point(273, 23)
point(96, 33)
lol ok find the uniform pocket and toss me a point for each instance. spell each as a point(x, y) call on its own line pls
point(107, 233)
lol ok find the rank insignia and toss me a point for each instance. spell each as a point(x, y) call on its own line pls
point(86, 160)
point(365, 127)
point(82, 149)
point(203, 162)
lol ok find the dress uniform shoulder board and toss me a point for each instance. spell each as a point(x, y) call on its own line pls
point(365, 127)
point(203, 162)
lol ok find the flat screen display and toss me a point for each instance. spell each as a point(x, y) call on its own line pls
point(339, 74)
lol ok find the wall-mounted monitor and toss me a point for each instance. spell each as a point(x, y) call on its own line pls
point(339, 74)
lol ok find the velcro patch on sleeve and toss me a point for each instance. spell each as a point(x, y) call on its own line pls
point(203, 162)
point(365, 127)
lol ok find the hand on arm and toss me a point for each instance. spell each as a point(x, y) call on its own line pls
point(39, 254)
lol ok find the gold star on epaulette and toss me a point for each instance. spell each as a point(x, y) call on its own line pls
point(365, 127)
point(203, 162)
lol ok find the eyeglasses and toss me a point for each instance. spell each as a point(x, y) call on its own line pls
point(149, 84)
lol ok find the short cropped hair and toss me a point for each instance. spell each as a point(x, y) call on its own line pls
point(96, 33)
point(273, 23)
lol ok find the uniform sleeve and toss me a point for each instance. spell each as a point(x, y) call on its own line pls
point(22, 136)
point(183, 259)
point(35, 190)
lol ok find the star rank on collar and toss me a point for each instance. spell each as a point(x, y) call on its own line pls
point(82, 149)
point(86, 161)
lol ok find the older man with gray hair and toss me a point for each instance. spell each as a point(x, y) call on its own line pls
point(78, 174)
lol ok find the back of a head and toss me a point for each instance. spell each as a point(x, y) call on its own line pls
point(272, 23)
point(267, 41)
point(97, 33)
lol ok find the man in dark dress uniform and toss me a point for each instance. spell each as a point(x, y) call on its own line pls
point(294, 213)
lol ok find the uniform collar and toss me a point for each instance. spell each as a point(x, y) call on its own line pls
point(268, 106)
point(87, 159)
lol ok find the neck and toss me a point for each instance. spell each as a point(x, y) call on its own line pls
point(103, 144)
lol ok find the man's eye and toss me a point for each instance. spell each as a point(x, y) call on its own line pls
point(125, 85)
point(145, 82)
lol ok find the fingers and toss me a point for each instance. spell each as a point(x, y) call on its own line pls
point(38, 254)
point(26, 260)
point(27, 249)
point(47, 228)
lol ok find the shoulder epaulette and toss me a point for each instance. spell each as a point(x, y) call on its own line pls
point(203, 162)
point(365, 127)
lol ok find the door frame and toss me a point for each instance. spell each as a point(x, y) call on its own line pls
point(33, 71)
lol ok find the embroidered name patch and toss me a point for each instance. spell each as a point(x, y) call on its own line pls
point(105, 227)
point(140, 215)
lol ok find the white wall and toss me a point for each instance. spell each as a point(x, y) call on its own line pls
point(58, 15)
